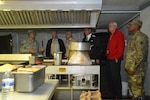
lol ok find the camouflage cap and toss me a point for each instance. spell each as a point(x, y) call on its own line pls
point(137, 22)
point(31, 31)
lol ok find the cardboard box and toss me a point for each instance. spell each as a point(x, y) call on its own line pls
point(90, 95)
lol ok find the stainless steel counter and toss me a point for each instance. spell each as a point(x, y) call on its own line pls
point(44, 92)
point(52, 60)
point(49, 62)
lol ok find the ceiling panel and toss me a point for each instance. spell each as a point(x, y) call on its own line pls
point(124, 4)
point(120, 18)
point(120, 11)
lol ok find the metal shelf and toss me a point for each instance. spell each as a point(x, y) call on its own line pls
point(63, 84)
point(90, 88)
point(64, 88)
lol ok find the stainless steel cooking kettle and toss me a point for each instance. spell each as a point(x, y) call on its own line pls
point(80, 53)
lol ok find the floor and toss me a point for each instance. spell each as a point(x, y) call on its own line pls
point(127, 98)
point(110, 98)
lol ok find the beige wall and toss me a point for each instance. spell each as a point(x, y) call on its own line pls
point(45, 35)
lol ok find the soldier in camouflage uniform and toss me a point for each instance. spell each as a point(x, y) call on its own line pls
point(31, 45)
point(136, 59)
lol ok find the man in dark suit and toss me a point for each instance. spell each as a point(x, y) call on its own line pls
point(55, 45)
point(96, 50)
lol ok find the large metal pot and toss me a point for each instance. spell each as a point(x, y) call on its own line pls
point(57, 58)
point(80, 46)
point(79, 53)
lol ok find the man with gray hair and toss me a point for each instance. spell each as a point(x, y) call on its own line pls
point(31, 45)
point(114, 54)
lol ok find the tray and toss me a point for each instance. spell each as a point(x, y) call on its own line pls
point(29, 81)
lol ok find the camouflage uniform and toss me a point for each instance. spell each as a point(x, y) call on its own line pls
point(29, 44)
point(136, 62)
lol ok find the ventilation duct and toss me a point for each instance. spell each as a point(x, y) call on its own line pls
point(49, 13)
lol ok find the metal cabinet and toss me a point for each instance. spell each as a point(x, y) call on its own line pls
point(75, 77)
